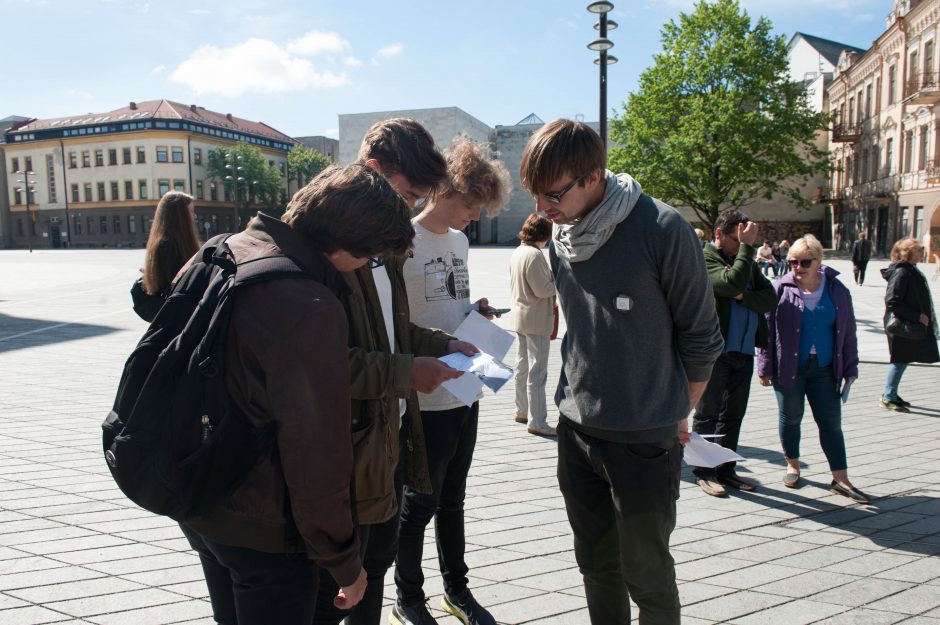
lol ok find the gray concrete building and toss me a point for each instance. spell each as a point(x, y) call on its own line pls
point(327, 146)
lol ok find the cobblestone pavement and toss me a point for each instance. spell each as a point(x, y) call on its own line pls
point(74, 550)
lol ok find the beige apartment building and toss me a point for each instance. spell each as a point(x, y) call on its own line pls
point(885, 142)
point(97, 177)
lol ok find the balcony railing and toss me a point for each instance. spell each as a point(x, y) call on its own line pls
point(827, 194)
point(846, 133)
point(924, 88)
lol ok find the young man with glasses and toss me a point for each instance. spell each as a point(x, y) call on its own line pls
point(390, 359)
point(437, 279)
point(742, 296)
point(642, 336)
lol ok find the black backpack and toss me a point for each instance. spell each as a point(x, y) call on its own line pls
point(173, 441)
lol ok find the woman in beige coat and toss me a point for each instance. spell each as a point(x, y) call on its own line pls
point(533, 303)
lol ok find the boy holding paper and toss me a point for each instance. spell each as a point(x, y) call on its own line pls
point(438, 285)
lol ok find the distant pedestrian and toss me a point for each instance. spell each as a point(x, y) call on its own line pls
point(765, 257)
point(173, 240)
point(861, 254)
point(908, 299)
point(813, 352)
point(700, 235)
point(532, 317)
point(778, 259)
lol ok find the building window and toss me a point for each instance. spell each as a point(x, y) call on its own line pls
point(91, 225)
point(905, 224)
point(892, 83)
point(280, 167)
point(77, 224)
point(179, 185)
point(16, 165)
point(889, 156)
point(146, 222)
point(101, 197)
point(924, 144)
point(162, 154)
point(863, 170)
point(112, 157)
point(116, 222)
point(908, 148)
point(197, 156)
point(86, 158)
point(163, 186)
point(19, 227)
point(851, 111)
point(213, 192)
point(918, 221)
point(99, 158)
point(132, 224)
point(859, 103)
point(17, 196)
point(75, 193)
point(73, 160)
point(928, 63)
point(87, 190)
point(28, 161)
point(177, 155)
point(50, 174)
point(103, 225)
point(114, 191)
point(877, 95)
point(868, 96)
point(141, 154)
point(128, 190)
point(199, 190)
point(875, 155)
point(142, 189)
point(126, 153)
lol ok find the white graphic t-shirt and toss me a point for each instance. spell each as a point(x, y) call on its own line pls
point(438, 285)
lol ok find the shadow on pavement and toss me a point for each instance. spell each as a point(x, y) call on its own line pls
point(20, 333)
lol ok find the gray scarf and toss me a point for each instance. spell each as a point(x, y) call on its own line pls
point(579, 240)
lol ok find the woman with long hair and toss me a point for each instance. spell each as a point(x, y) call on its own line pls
point(812, 353)
point(533, 302)
point(173, 240)
point(907, 299)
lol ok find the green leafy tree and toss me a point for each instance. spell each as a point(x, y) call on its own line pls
point(305, 163)
point(717, 122)
point(246, 174)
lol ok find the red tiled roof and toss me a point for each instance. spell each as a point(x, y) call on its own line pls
point(161, 109)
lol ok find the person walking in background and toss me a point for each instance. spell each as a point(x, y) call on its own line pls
point(700, 235)
point(437, 280)
point(173, 240)
point(641, 340)
point(532, 317)
point(778, 259)
point(765, 257)
point(907, 299)
point(812, 353)
point(861, 254)
point(742, 296)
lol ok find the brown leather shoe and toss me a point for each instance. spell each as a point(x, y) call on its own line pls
point(736, 481)
point(712, 486)
point(521, 419)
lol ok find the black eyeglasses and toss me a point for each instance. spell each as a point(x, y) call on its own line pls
point(802, 262)
point(555, 198)
point(376, 262)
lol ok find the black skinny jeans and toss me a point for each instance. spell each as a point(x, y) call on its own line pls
point(450, 436)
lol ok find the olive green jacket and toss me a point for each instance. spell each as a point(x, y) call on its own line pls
point(380, 376)
point(730, 279)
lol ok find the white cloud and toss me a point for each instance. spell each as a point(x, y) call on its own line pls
point(389, 51)
point(255, 66)
point(159, 69)
point(352, 61)
point(317, 42)
point(199, 11)
point(333, 133)
point(145, 8)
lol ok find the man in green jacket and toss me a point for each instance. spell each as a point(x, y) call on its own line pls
point(742, 296)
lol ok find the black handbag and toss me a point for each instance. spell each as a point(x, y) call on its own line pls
point(899, 328)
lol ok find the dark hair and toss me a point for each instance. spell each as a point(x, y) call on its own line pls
point(403, 146)
point(353, 208)
point(173, 240)
point(535, 229)
point(560, 147)
point(729, 219)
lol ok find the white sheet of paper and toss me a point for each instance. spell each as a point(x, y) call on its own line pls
point(845, 390)
point(492, 341)
point(700, 453)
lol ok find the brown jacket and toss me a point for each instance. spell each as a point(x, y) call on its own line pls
point(380, 376)
point(286, 361)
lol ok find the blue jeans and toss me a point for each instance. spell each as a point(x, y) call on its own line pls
point(893, 381)
point(816, 384)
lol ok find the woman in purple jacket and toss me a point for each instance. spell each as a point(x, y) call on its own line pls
point(812, 352)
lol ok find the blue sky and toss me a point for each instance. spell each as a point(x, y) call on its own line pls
point(297, 65)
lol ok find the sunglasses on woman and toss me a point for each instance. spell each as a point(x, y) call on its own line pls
point(802, 262)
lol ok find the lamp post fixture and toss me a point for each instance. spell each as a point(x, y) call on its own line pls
point(601, 45)
point(29, 186)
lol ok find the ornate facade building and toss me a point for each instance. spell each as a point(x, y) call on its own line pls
point(885, 141)
point(96, 178)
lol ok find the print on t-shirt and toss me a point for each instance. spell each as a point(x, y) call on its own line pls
point(446, 278)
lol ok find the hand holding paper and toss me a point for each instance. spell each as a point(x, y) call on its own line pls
point(700, 453)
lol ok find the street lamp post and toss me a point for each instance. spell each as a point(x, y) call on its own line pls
point(232, 164)
point(601, 45)
point(29, 186)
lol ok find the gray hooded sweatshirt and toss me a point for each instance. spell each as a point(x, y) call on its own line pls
point(641, 317)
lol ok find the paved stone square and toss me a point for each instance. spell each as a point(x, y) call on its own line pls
point(74, 550)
